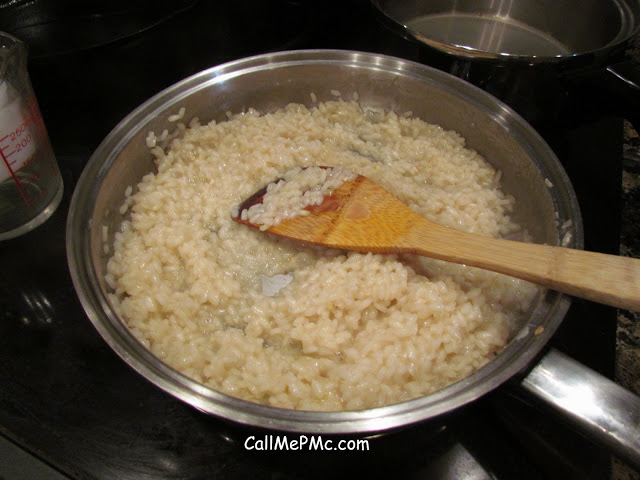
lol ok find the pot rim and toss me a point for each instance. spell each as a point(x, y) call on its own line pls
point(517, 355)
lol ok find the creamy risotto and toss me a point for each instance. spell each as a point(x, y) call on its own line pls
point(301, 327)
point(289, 196)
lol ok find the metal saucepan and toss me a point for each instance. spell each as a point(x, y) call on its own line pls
point(542, 57)
point(530, 171)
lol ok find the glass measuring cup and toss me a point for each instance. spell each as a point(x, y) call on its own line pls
point(30, 181)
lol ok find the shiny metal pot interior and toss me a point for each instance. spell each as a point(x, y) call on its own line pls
point(532, 30)
point(530, 169)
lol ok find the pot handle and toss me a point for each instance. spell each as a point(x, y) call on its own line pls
point(601, 408)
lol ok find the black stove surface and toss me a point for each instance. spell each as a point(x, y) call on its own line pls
point(66, 398)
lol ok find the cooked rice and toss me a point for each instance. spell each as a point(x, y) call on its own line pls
point(302, 327)
point(288, 197)
point(177, 116)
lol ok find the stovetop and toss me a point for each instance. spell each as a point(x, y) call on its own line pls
point(69, 401)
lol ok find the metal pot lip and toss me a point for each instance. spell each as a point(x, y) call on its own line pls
point(517, 355)
point(471, 53)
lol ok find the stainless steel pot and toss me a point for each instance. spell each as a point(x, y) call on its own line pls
point(530, 171)
point(544, 58)
point(530, 31)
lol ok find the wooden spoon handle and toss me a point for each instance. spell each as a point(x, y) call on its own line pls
point(608, 279)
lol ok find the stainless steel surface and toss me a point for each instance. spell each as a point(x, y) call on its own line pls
point(270, 81)
point(487, 33)
point(509, 28)
point(603, 409)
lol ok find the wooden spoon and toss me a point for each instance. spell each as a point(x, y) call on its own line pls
point(361, 215)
